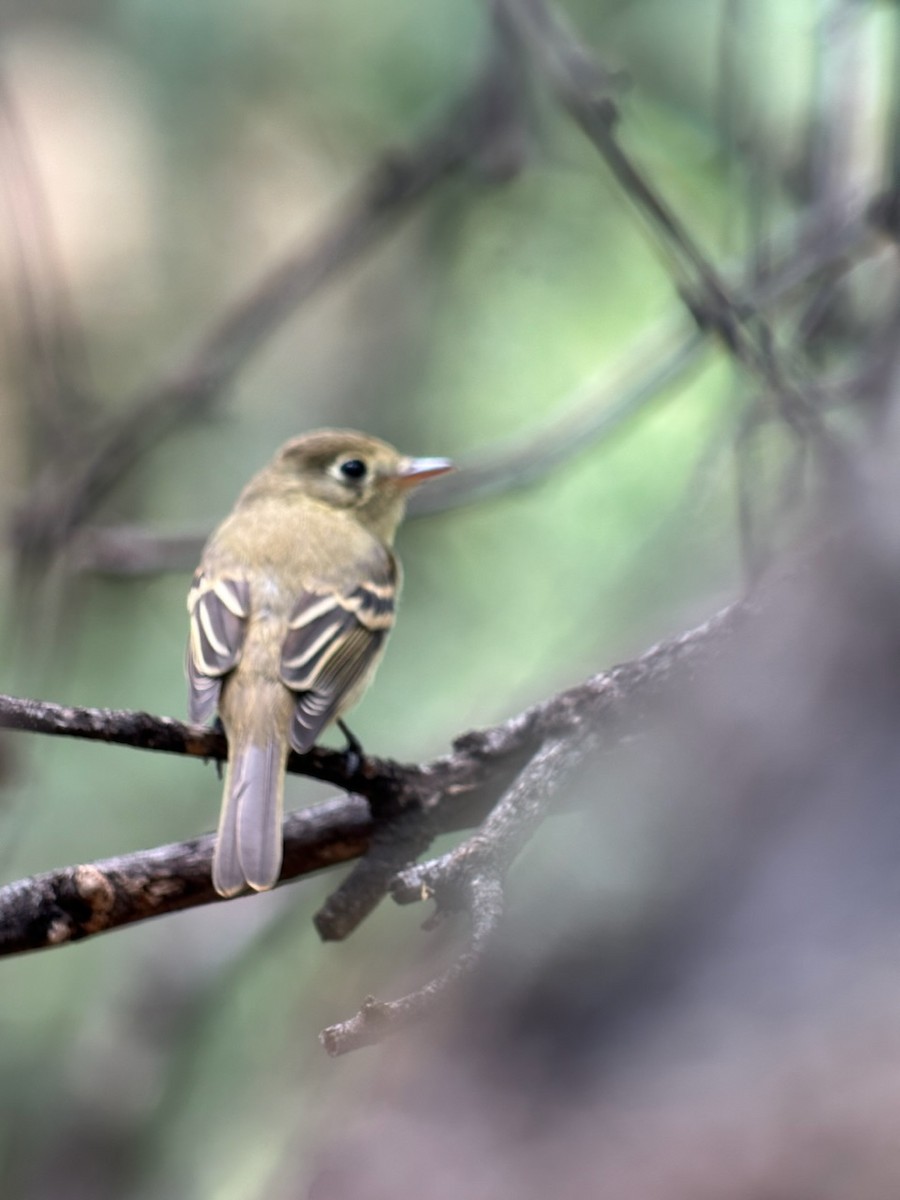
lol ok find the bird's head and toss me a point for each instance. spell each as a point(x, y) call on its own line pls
point(352, 471)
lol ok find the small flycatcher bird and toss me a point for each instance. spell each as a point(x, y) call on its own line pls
point(290, 609)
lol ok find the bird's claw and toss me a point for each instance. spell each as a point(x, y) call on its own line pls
point(353, 751)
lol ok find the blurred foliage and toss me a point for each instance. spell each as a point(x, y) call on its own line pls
point(181, 148)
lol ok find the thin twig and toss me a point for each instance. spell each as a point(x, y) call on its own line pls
point(583, 87)
point(482, 898)
point(471, 879)
point(401, 834)
point(492, 849)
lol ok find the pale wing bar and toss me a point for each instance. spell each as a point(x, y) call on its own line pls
point(219, 610)
point(332, 641)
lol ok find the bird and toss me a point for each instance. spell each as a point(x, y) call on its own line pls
point(290, 609)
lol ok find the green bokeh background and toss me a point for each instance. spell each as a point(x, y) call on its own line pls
point(183, 147)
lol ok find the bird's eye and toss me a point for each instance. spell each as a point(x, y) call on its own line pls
point(353, 468)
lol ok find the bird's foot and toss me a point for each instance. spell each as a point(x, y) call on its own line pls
point(218, 727)
point(353, 751)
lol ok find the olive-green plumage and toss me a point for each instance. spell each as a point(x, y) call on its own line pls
point(290, 610)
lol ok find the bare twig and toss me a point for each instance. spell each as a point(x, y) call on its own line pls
point(470, 879)
point(583, 87)
point(457, 791)
point(482, 898)
point(401, 833)
point(133, 550)
point(842, 167)
point(77, 902)
point(493, 848)
point(375, 778)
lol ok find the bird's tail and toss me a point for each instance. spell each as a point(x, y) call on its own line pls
point(249, 842)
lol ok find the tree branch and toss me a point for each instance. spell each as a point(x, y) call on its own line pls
point(455, 791)
point(584, 88)
point(471, 879)
point(482, 898)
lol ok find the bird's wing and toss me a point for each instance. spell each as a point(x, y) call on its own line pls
point(219, 608)
point(334, 637)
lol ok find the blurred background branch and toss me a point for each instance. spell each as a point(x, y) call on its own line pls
point(481, 131)
point(596, 411)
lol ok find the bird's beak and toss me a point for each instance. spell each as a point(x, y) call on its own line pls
point(413, 471)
